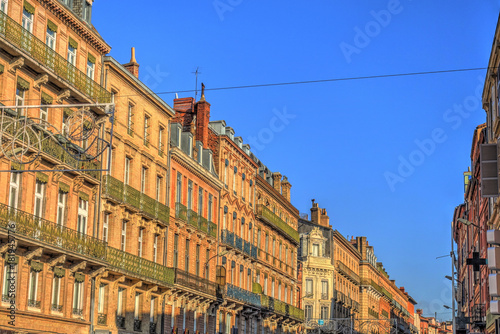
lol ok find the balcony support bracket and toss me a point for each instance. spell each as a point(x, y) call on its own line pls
point(36, 252)
point(58, 260)
point(16, 63)
point(63, 95)
point(41, 80)
point(78, 266)
point(97, 272)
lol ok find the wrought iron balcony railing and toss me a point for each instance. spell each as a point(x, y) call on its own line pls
point(102, 319)
point(192, 218)
point(280, 307)
point(373, 313)
point(296, 313)
point(386, 293)
point(231, 239)
point(212, 229)
point(139, 266)
point(180, 212)
point(479, 315)
point(120, 321)
point(347, 271)
point(202, 224)
point(34, 303)
point(43, 54)
point(243, 295)
point(39, 229)
point(277, 222)
point(194, 282)
point(56, 308)
point(78, 311)
point(123, 193)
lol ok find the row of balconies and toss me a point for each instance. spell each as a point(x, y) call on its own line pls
point(347, 271)
point(341, 298)
point(373, 313)
point(126, 194)
point(198, 222)
point(266, 214)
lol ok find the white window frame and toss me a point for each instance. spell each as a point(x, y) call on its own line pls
point(137, 306)
point(83, 214)
point(126, 178)
point(39, 196)
point(78, 295)
point(105, 227)
point(15, 178)
point(90, 69)
point(123, 240)
point(160, 139)
point(61, 207)
point(4, 6)
point(44, 114)
point(56, 290)
point(20, 95)
point(51, 38)
point(158, 187)
point(155, 248)
point(144, 176)
point(71, 55)
point(119, 303)
point(146, 132)
point(33, 286)
point(140, 240)
point(209, 208)
point(27, 21)
point(152, 310)
point(101, 300)
point(190, 195)
point(309, 286)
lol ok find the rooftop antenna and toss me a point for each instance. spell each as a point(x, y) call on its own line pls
point(196, 73)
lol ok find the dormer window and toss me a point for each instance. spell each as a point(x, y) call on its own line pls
point(315, 249)
point(87, 10)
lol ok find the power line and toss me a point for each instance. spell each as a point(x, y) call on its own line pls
point(309, 81)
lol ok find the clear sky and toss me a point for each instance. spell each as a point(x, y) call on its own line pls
point(384, 156)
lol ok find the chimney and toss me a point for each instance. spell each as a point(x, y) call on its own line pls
point(133, 66)
point(324, 219)
point(184, 112)
point(202, 118)
point(315, 213)
point(286, 186)
point(277, 181)
point(419, 312)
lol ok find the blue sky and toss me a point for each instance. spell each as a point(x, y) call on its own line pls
point(384, 156)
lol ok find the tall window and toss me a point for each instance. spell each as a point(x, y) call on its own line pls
point(243, 186)
point(139, 246)
point(160, 141)
point(190, 195)
point(258, 238)
point(324, 313)
point(279, 291)
point(272, 287)
point(20, 100)
point(3, 5)
point(176, 250)
point(50, 39)
point(130, 116)
point(267, 243)
point(309, 286)
point(155, 248)
point(137, 306)
point(186, 261)
point(105, 227)
point(249, 279)
point(102, 298)
point(234, 179)
point(225, 173)
point(123, 240)
point(78, 298)
point(265, 284)
point(27, 21)
point(158, 187)
point(83, 211)
point(152, 310)
point(9, 275)
point(200, 201)
point(286, 294)
point(144, 179)
point(61, 207)
point(241, 275)
point(234, 221)
point(33, 288)
point(39, 196)
point(209, 209)
point(128, 162)
point(324, 289)
point(146, 130)
point(197, 260)
point(56, 292)
point(90, 69)
point(179, 187)
point(315, 249)
point(309, 312)
point(207, 266)
point(71, 55)
point(44, 113)
point(119, 306)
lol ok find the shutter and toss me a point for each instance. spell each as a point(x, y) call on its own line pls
point(489, 170)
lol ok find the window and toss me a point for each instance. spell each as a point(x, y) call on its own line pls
point(27, 22)
point(265, 284)
point(39, 196)
point(200, 201)
point(207, 268)
point(90, 69)
point(324, 289)
point(128, 162)
point(51, 38)
point(315, 250)
point(146, 130)
point(258, 238)
point(33, 289)
point(186, 261)
point(279, 290)
point(160, 141)
point(308, 312)
point(105, 227)
point(324, 313)
point(179, 187)
point(158, 188)
point(176, 251)
point(130, 116)
point(274, 246)
point(10, 272)
point(234, 221)
point(87, 11)
point(119, 306)
point(155, 248)
point(78, 298)
point(241, 276)
point(233, 272)
point(209, 209)
point(4, 5)
point(44, 114)
point(83, 208)
point(243, 186)
point(123, 242)
point(71, 55)
point(249, 279)
point(102, 298)
point(286, 294)
point(272, 287)
point(309, 286)
point(56, 292)
point(144, 179)
point(197, 260)
point(61, 207)
point(139, 247)
point(20, 100)
point(234, 179)
point(225, 173)
point(279, 250)
point(190, 195)
point(267, 243)
point(137, 306)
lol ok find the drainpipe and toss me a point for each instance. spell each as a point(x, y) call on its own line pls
point(92, 304)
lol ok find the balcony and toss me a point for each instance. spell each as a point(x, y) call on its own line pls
point(138, 266)
point(478, 317)
point(373, 313)
point(192, 218)
point(296, 313)
point(34, 303)
point(120, 321)
point(42, 230)
point(137, 325)
point(212, 230)
point(123, 193)
point(274, 220)
point(203, 224)
point(194, 282)
point(386, 293)
point(152, 328)
point(231, 239)
point(324, 296)
point(78, 311)
point(242, 295)
point(280, 307)
point(56, 308)
point(25, 41)
point(102, 319)
point(347, 271)
point(180, 212)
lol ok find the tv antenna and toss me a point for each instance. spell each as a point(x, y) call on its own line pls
point(196, 73)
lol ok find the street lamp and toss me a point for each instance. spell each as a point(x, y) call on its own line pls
point(466, 222)
point(224, 252)
point(447, 307)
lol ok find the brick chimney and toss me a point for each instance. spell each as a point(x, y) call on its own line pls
point(324, 220)
point(315, 214)
point(202, 118)
point(419, 312)
point(133, 66)
point(184, 112)
point(277, 181)
point(361, 243)
point(285, 188)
